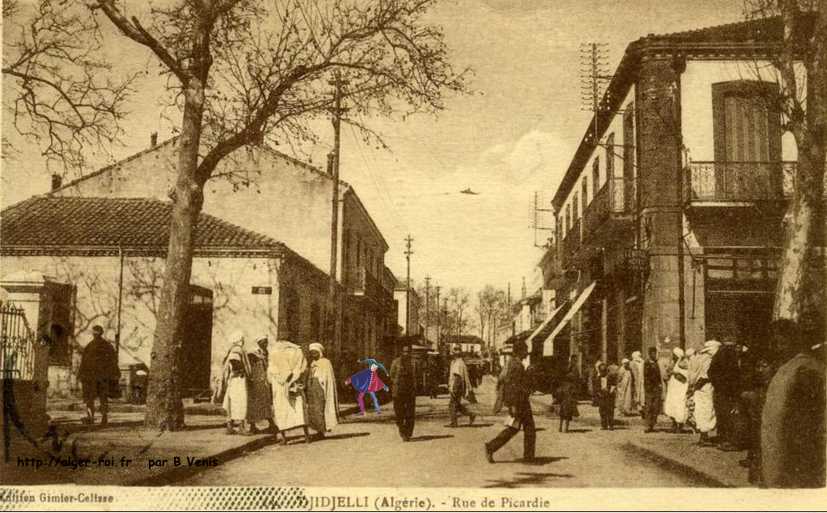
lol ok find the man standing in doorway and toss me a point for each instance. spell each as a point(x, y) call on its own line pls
point(653, 388)
point(725, 375)
point(516, 388)
point(97, 373)
point(404, 393)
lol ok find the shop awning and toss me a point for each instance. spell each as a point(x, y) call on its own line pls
point(548, 343)
point(543, 326)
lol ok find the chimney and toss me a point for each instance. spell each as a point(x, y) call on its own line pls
point(57, 181)
point(153, 139)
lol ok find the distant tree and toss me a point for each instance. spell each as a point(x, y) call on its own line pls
point(245, 72)
point(490, 302)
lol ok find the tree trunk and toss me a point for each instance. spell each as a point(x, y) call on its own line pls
point(165, 409)
point(798, 282)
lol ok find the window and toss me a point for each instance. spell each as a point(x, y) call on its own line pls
point(584, 190)
point(596, 175)
point(629, 141)
point(576, 202)
point(568, 218)
point(358, 252)
point(610, 156)
point(745, 128)
point(292, 314)
point(315, 322)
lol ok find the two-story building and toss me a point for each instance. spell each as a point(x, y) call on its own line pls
point(669, 217)
point(272, 194)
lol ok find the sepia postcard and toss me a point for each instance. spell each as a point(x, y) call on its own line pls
point(413, 255)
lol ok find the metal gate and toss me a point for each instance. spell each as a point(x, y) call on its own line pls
point(17, 351)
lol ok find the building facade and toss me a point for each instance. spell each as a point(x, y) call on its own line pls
point(668, 221)
point(290, 201)
point(105, 259)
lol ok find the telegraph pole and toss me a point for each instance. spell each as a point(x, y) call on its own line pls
point(408, 253)
point(333, 168)
point(438, 319)
point(427, 303)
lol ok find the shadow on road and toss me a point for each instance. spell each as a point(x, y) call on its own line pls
point(526, 478)
point(426, 438)
point(538, 461)
point(469, 426)
point(343, 436)
point(578, 431)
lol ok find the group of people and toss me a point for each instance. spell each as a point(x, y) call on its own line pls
point(770, 405)
point(277, 384)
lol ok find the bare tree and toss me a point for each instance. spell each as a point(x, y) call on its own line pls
point(57, 87)
point(490, 301)
point(802, 101)
point(243, 72)
point(458, 300)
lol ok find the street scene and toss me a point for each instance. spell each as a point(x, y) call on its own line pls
point(363, 244)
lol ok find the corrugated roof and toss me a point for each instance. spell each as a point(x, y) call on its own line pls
point(110, 222)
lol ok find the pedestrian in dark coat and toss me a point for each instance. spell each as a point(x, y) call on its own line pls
point(605, 386)
point(403, 390)
point(792, 422)
point(566, 395)
point(653, 389)
point(516, 390)
point(97, 374)
point(753, 400)
point(725, 375)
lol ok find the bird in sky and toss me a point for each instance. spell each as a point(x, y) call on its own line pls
point(468, 190)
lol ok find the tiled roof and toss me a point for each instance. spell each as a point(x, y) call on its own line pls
point(50, 221)
point(759, 29)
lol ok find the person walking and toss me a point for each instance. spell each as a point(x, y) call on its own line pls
point(287, 376)
point(653, 388)
point(605, 386)
point(793, 419)
point(404, 393)
point(753, 400)
point(322, 403)
point(234, 391)
point(702, 391)
point(638, 395)
point(725, 376)
point(260, 404)
point(459, 386)
point(516, 390)
point(97, 374)
point(567, 392)
point(675, 404)
point(623, 400)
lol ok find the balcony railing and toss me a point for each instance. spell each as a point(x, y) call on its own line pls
point(363, 283)
point(738, 181)
point(571, 244)
point(616, 197)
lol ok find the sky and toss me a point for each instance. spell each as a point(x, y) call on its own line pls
point(514, 135)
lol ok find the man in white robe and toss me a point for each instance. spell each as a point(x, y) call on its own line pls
point(702, 391)
point(260, 402)
point(233, 393)
point(321, 392)
point(287, 377)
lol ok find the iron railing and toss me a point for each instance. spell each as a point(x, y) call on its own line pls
point(17, 350)
point(738, 181)
point(615, 197)
point(363, 283)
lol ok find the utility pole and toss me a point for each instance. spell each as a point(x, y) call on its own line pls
point(427, 303)
point(408, 253)
point(333, 168)
point(438, 319)
point(447, 318)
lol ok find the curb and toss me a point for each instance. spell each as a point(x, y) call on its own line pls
point(176, 474)
point(707, 480)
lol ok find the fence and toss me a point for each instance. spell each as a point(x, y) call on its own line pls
point(17, 341)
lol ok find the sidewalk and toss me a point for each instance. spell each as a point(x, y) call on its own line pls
point(676, 451)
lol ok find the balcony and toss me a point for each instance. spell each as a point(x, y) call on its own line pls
point(737, 183)
point(571, 245)
point(610, 211)
point(363, 283)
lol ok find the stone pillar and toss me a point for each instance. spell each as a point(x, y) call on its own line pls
point(35, 294)
point(659, 179)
